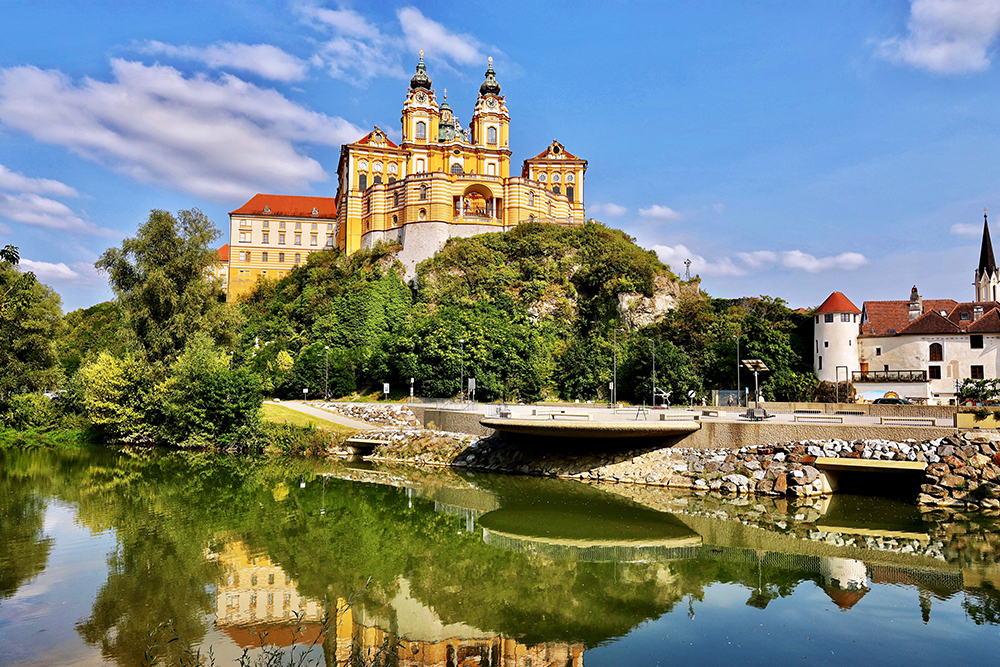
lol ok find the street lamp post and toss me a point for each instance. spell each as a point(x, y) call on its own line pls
point(614, 388)
point(739, 395)
point(326, 376)
point(653, 343)
point(461, 377)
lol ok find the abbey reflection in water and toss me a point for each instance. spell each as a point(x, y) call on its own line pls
point(482, 569)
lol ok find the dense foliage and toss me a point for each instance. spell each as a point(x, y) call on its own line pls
point(541, 311)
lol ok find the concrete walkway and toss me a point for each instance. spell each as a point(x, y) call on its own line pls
point(299, 406)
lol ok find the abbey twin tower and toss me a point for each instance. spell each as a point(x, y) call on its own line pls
point(442, 180)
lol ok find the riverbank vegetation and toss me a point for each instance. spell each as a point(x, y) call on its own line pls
point(541, 311)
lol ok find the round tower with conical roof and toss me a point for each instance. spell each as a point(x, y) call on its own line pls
point(836, 324)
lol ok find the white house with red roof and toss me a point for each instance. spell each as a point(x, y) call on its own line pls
point(835, 353)
point(922, 349)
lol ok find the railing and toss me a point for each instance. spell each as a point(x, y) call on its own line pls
point(566, 222)
point(889, 376)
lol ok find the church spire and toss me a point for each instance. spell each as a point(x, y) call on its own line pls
point(987, 264)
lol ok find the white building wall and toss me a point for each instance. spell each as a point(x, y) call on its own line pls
point(835, 345)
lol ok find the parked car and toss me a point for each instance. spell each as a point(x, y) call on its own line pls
point(891, 401)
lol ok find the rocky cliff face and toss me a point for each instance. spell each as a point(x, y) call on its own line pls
point(640, 311)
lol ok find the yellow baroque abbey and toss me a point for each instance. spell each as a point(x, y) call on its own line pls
point(442, 180)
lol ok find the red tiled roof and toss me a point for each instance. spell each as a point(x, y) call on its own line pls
point(931, 322)
point(845, 599)
point(289, 206)
point(276, 634)
point(882, 317)
point(988, 323)
point(367, 139)
point(968, 309)
point(837, 303)
point(223, 253)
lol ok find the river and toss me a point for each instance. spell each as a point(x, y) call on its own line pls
point(108, 555)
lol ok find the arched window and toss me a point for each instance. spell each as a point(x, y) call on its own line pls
point(491, 135)
point(423, 192)
point(555, 189)
point(362, 182)
point(420, 166)
point(569, 192)
point(456, 168)
point(421, 130)
point(531, 199)
point(378, 179)
point(395, 199)
point(392, 179)
point(395, 220)
point(936, 352)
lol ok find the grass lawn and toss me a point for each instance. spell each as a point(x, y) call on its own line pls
point(279, 414)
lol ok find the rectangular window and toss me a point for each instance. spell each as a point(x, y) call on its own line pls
point(264, 272)
point(298, 239)
point(265, 238)
point(817, 346)
point(362, 182)
point(281, 225)
point(976, 341)
point(243, 256)
point(878, 352)
point(312, 240)
point(329, 227)
point(266, 223)
point(828, 317)
point(281, 239)
point(934, 372)
point(977, 373)
point(845, 317)
point(819, 366)
point(315, 226)
point(281, 257)
point(246, 223)
point(298, 258)
point(244, 272)
point(263, 256)
point(243, 237)
point(826, 343)
point(298, 226)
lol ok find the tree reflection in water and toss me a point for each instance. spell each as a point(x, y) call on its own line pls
point(240, 539)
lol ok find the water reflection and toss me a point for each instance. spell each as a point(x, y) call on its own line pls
point(447, 569)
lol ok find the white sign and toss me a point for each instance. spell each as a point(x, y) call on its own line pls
point(472, 384)
point(385, 387)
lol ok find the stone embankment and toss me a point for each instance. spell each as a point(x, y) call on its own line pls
point(962, 471)
point(388, 414)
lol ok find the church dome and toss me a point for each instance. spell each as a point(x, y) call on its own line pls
point(490, 86)
point(420, 79)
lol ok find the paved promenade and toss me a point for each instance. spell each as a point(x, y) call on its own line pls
point(326, 415)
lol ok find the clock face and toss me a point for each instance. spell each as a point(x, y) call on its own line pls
point(421, 97)
point(491, 103)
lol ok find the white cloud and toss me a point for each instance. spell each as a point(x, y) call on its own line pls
point(262, 59)
point(718, 208)
point(423, 33)
point(358, 50)
point(15, 182)
point(968, 230)
point(846, 261)
point(675, 256)
point(759, 259)
point(946, 36)
point(744, 263)
point(609, 209)
point(80, 273)
point(32, 209)
point(220, 139)
point(660, 213)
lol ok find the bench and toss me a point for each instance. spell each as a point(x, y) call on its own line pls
point(819, 418)
point(681, 418)
point(539, 413)
point(570, 415)
point(757, 414)
point(808, 412)
point(913, 421)
point(856, 413)
point(709, 413)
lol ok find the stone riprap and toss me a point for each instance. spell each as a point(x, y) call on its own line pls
point(387, 414)
point(962, 471)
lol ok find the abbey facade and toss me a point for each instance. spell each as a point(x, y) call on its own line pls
point(442, 180)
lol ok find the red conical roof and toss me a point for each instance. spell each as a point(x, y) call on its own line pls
point(837, 303)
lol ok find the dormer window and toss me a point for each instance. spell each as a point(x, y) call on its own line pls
point(315, 211)
point(267, 209)
point(964, 317)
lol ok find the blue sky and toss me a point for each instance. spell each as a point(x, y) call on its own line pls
point(786, 148)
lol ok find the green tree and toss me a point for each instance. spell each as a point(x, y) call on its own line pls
point(29, 323)
point(116, 395)
point(89, 331)
point(162, 286)
point(205, 402)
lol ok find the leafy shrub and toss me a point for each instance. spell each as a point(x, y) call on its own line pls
point(30, 412)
